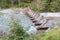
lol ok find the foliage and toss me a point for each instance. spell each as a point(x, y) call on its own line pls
point(52, 35)
point(17, 32)
point(55, 6)
point(26, 1)
point(36, 5)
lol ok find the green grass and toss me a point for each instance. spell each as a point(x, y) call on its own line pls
point(52, 35)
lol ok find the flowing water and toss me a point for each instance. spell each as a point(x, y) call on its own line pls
point(5, 20)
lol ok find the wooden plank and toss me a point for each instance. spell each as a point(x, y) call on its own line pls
point(42, 28)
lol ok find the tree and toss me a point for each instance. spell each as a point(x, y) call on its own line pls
point(55, 6)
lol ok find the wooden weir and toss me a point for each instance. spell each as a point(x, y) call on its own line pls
point(33, 16)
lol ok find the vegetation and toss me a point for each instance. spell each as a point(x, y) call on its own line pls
point(52, 35)
point(37, 5)
point(17, 32)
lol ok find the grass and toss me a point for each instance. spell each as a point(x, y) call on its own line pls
point(52, 35)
